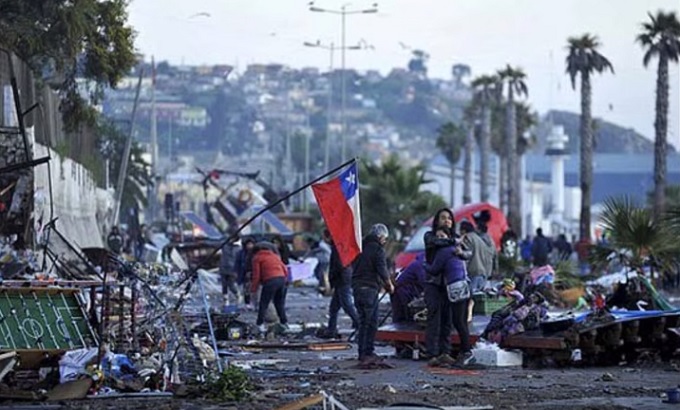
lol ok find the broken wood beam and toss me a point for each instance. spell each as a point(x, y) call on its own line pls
point(303, 402)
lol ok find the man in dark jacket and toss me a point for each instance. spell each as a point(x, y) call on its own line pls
point(369, 276)
point(541, 248)
point(340, 279)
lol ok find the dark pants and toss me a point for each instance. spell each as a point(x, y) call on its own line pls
point(400, 310)
point(438, 330)
point(459, 318)
point(366, 302)
point(229, 284)
point(273, 289)
point(342, 298)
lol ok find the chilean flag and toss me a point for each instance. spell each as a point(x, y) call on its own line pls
point(338, 200)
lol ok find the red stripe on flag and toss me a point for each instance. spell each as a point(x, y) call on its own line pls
point(338, 217)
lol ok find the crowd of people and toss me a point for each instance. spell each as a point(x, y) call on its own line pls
point(456, 264)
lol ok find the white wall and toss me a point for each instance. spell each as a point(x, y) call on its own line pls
point(78, 204)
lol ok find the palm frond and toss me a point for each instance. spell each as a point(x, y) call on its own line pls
point(634, 234)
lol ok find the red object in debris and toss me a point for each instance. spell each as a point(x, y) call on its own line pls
point(599, 302)
point(214, 174)
point(3, 207)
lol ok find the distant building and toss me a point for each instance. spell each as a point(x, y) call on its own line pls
point(193, 117)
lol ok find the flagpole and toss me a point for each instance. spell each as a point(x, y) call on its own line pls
point(234, 235)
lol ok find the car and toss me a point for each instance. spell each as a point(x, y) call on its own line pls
point(416, 245)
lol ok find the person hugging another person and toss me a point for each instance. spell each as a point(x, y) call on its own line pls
point(447, 294)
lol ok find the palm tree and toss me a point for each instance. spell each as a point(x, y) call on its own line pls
point(514, 78)
point(470, 116)
point(661, 39)
point(458, 72)
point(391, 194)
point(484, 87)
point(450, 142)
point(583, 60)
point(633, 236)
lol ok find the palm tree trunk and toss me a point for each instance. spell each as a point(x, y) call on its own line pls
point(467, 164)
point(502, 182)
point(660, 142)
point(485, 148)
point(586, 166)
point(452, 185)
point(514, 210)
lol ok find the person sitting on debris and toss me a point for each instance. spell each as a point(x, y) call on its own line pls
point(408, 287)
point(370, 274)
point(447, 269)
point(228, 272)
point(272, 274)
point(115, 241)
point(340, 279)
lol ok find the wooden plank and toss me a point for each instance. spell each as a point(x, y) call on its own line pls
point(303, 403)
point(528, 341)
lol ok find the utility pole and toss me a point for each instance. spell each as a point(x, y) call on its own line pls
point(332, 47)
point(122, 173)
point(343, 12)
point(153, 189)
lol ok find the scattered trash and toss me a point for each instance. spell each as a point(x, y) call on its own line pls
point(72, 364)
point(606, 377)
point(259, 364)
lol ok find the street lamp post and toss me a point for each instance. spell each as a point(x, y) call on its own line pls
point(343, 12)
point(331, 48)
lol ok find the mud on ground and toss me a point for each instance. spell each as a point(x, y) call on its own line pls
point(303, 373)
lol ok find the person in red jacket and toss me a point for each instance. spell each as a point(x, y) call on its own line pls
point(269, 271)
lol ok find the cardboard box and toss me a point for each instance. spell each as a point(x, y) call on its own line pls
point(497, 357)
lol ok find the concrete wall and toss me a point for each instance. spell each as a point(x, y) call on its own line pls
point(82, 207)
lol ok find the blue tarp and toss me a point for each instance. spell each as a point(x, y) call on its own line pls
point(209, 230)
point(630, 314)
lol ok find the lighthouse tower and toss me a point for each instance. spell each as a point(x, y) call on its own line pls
point(558, 152)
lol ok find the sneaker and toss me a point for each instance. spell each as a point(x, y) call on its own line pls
point(446, 360)
point(262, 328)
point(465, 359)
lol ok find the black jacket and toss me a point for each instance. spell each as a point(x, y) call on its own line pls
point(370, 268)
point(337, 274)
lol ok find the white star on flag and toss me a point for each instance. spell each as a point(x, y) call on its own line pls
point(351, 178)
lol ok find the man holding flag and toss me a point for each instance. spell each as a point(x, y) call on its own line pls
point(338, 200)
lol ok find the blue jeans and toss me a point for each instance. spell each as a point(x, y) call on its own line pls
point(438, 329)
point(366, 302)
point(273, 289)
point(342, 298)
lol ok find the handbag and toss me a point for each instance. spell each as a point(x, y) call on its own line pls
point(458, 291)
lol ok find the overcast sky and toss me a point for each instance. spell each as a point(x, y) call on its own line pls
point(486, 34)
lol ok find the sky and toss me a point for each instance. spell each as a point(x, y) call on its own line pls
point(485, 34)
